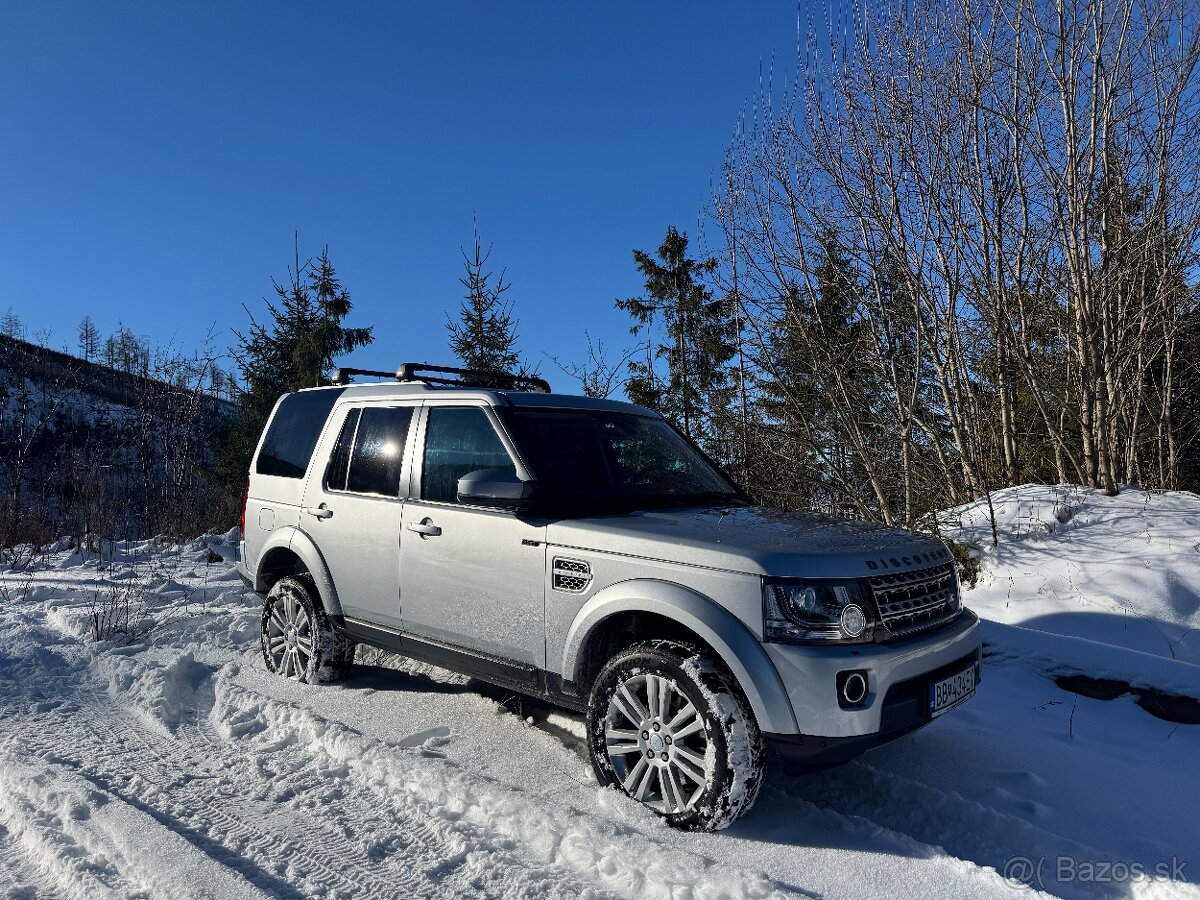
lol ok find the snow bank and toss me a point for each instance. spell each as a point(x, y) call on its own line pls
point(1121, 570)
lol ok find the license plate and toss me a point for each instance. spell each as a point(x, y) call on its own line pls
point(946, 694)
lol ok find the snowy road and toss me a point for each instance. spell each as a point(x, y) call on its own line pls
point(176, 767)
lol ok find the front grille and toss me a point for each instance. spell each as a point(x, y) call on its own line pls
point(571, 575)
point(910, 602)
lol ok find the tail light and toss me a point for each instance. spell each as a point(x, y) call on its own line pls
point(245, 500)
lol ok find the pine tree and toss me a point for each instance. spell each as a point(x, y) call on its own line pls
point(89, 339)
point(698, 333)
point(295, 348)
point(484, 337)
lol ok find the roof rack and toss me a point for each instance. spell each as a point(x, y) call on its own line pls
point(343, 376)
point(412, 371)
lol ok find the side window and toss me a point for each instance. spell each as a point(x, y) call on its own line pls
point(379, 450)
point(458, 440)
point(293, 434)
point(339, 460)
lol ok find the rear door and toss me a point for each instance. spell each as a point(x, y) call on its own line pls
point(353, 508)
point(473, 576)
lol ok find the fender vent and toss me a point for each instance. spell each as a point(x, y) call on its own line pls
point(572, 576)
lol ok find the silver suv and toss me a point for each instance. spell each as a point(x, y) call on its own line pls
point(585, 552)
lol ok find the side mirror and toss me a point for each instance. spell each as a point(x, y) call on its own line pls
point(493, 487)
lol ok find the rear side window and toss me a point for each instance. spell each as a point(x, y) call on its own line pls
point(379, 450)
point(458, 440)
point(293, 434)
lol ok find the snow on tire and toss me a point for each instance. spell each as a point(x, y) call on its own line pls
point(671, 729)
point(297, 638)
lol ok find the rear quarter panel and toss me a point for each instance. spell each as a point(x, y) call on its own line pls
point(271, 503)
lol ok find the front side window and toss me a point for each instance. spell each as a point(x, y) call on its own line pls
point(293, 433)
point(458, 440)
point(588, 461)
point(378, 452)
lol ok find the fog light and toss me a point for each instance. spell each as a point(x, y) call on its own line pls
point(852, 688)
point(854, 620)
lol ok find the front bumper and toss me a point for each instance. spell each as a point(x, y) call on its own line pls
point(903, 711)
point(897, 674)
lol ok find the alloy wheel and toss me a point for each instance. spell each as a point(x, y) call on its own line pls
point(289, 635)
point(657, 743)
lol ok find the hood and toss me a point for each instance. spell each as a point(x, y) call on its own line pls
point(756, 540)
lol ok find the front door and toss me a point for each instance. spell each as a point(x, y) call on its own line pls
point(353, 510)
point(473, 577)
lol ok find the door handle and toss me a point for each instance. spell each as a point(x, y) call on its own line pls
point(425, 528)
point(320, 512)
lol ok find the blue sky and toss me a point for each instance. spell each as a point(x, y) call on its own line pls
point(155, 159)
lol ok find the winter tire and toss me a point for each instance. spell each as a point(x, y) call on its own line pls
point(297, 638)
point(671, 729)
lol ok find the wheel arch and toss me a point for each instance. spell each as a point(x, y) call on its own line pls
point(662, 609)
point(289, 551)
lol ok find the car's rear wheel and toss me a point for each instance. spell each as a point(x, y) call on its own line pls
point(670, 728)
point(297, 638)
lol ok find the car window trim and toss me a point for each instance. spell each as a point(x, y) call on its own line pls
point(416, 471)
point(350, 411)
point(405, 463)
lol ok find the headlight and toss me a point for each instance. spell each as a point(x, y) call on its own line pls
point(810, 611)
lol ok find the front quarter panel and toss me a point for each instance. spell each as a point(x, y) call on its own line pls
point(725, 633)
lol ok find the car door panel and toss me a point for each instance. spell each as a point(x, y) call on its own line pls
point(358, 532)
point(472, 576)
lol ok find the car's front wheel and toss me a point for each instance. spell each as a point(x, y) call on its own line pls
point(671, 729)
point(297, 639)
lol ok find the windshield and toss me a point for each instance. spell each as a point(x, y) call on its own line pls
point(597, 461)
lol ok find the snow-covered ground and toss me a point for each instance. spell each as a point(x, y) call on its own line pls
point(1121, 570)
point(173, 766)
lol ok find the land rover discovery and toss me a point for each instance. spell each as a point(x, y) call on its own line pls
point(585, 552)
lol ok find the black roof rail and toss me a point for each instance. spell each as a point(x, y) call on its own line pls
point(343, 376)
point(412, 371)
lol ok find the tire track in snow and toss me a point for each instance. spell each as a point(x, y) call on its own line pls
point(208, 805)
point(459, 858)
point(19, 875)
point(618, 858)
point(476, 860)
point(298, 832)
point(346, 842)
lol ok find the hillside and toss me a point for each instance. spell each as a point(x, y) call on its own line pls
point(88, 449)
point(21, 359)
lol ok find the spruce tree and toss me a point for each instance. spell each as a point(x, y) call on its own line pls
point(813, 347)
point(296, 347)
point(698, 335)
point(484, 337)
